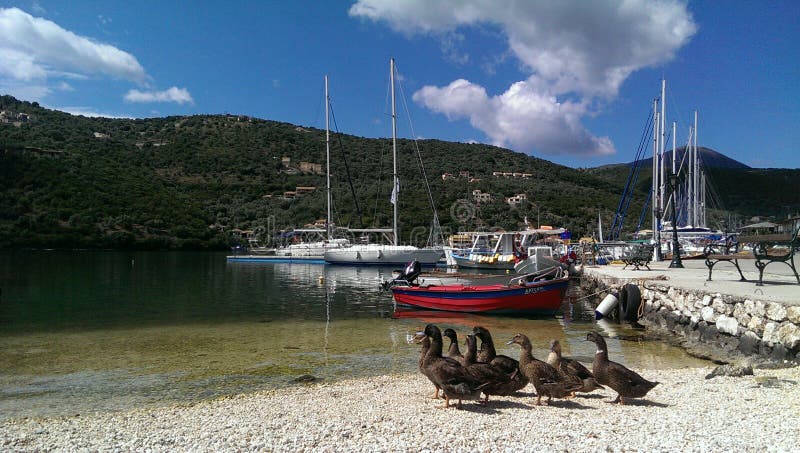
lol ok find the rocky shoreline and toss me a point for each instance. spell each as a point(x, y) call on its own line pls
point(393, 413)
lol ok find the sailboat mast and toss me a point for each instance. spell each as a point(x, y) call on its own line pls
point(328, 159)
point(654, 188)
point(674, 143)
point(600, 225)
point(695, 176)
point(662, 140)
point(395, 181)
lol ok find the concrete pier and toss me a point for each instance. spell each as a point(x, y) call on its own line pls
point(727, 317)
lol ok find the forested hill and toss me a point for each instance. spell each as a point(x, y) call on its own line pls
point(189, 182)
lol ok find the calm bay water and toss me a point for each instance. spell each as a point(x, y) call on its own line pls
point(85, 331)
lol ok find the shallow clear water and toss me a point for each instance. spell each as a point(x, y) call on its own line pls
point(89, 331)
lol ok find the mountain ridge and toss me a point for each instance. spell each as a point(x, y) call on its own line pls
point(185, 182)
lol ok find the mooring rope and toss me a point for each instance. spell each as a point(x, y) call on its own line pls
point(590, 295)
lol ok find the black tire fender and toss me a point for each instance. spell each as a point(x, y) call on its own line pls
point(630, 298)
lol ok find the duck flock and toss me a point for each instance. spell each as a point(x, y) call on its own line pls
point(466, 376)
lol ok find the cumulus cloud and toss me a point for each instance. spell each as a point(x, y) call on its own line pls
point(88, 111)
point(174, 94)
point(32, 48)
point(577, 53)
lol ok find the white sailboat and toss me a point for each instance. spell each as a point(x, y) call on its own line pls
point(326, 241)
point(387, 254)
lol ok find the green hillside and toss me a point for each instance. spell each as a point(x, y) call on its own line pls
point(187, 182)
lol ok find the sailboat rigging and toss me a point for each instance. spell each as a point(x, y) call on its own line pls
point(394, 253)
point(318, 248)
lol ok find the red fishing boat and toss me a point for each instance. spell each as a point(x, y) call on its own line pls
point(539, 293)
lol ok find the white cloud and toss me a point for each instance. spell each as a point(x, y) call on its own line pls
point(88, 111)
point(34, 92)
point(521, 117)
point(35, 48)
point(174, 94)
point(578, 53)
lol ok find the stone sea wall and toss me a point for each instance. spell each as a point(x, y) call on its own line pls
point(726, 326)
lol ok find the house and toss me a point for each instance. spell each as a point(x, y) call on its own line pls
point(241, 234)
point(516, 199)
point(789, 226)
point(481, 197)
point(300, 190)
point(310, 167)
point(446, 176)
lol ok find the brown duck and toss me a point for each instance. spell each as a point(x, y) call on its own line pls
point(453, 352)
point(422, 339)
point(496, 381)
point(545, 379)
point(627, 383)
point(446, 373)
point(572, 368)
point(488, 354)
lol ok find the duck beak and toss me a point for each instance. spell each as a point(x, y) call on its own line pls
point(416, 338)
point(511, 341)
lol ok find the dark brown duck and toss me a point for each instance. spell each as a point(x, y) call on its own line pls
point(453, 352)
point(423, 340)
point(446, 373)
point(495, 381)
point(572, 368)
point(488, 354)
point(627, 383)
point(545, 379)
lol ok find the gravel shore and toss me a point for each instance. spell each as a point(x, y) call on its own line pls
point(685, 412)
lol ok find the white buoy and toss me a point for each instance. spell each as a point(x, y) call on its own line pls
point(605, 306)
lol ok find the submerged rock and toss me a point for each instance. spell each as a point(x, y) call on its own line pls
point(731, 370)
point(305, 379)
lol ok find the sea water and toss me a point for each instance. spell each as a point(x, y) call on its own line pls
point(86, 331)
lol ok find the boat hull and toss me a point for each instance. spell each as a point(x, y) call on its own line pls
point(377, 255)
point(542, 298)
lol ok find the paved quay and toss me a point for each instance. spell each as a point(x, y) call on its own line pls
point(780, 284)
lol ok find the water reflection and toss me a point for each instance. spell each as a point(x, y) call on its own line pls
point(104, 331)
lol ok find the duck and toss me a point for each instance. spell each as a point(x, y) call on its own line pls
point(425, 342)
point(488, 354)
point(545, 378)
point(627, 383)
point(448, 374)
point(453, 351)
point(496, 381)
point(572, 368)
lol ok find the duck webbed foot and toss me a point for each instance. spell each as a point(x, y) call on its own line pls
point(446, 403)
point(619, 400)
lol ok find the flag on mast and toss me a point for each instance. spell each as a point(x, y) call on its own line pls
point(395, 191)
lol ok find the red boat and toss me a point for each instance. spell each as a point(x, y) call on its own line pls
point(533, 294)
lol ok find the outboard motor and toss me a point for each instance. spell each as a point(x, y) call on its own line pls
point(406, 277)
point(411, 272)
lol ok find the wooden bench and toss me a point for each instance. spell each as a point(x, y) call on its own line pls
point(765, 249)
point(638, 255)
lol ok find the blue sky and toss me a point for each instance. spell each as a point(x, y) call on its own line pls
point(569, 81)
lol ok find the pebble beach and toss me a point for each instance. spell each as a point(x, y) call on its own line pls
point(686, 412)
